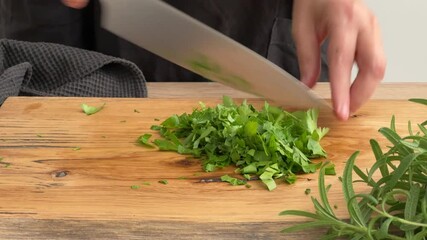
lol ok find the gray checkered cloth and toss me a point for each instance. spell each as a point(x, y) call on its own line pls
point(47, 69)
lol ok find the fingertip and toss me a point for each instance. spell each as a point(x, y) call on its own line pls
point(76, 4)
point(342, 114)
point(309, 82)
point(342, 111)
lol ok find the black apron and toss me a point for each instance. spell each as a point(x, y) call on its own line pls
point(261, 25)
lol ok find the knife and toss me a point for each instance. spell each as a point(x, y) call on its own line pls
point(179, 38)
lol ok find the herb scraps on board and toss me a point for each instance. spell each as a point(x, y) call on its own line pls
point(89, 110)
point(5, 165)
point(163, 181)
point(270, 143)
point(394, 207)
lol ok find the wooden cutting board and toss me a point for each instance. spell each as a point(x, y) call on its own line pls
point(60, 165)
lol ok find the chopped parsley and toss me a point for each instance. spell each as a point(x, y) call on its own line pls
point(233, 181)
point(269, 143)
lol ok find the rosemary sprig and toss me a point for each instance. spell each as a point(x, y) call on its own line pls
point(395, 208)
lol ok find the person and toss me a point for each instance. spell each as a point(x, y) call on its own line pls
point(321, 42)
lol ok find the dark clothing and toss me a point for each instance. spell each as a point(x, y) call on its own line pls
point(262, 25)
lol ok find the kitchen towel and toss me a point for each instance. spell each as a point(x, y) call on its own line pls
point(47, 69)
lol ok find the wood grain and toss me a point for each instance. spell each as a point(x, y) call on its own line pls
point(41, 229)
point(50, 183)
point(389, 91)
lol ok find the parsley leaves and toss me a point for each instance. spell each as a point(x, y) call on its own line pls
point(233, 181)
point(270, 143)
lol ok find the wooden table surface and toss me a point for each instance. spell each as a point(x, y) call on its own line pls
point(391, 91)
point(50, 190)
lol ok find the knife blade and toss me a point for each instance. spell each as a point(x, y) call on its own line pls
point(178, 38)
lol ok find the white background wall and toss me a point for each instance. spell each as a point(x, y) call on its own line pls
point(404, 31)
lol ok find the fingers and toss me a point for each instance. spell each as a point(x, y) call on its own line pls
point(341, 53)
point(77, 4)
point(371, 62)
point(307, 45)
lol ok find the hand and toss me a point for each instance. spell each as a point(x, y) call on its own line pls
point(77, 4)
point(354, 36)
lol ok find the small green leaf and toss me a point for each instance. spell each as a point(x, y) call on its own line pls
point(330, 169)
point(228, 101)
point(399, 172)
point(291, 178)
point(89, 110)
point(419, 100)
point(166, 145)
point(134, 187)
point(251, 128)
point(143, 139)
point(267, 177)
point(232, 181)
point(247, 176)
point(299, 213)
point(164, 182)
point(411, 206)
point(250, 169)
point(209, 167)
point(380, 160)
point(306, 225)
point(349, 193)
point(323, 189)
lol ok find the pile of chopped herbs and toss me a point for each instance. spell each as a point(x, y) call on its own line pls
point(270, 144)
point(395, 207)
